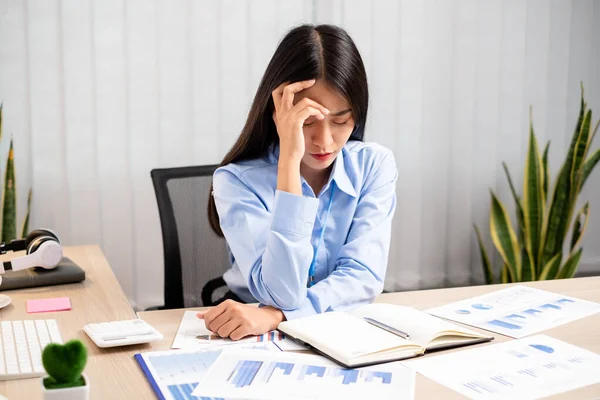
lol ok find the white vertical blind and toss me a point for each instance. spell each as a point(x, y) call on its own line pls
point(97, 93)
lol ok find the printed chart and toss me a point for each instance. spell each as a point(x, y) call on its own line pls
point(192, 334)
point(175, 373)
point(517, 311)
point(533, 367)
point(261, 375)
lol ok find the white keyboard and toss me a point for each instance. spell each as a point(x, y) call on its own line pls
point(22, 345)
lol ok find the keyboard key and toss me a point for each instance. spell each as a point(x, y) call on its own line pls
point(53, 329)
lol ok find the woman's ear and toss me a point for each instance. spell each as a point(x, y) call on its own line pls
point(275, 117)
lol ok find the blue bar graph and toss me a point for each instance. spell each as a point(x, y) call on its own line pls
point(532, 311)
point(503, 324)
point(350, 375)
point(550, 306)
point(386, 377)
point(285, 367)
point(314, 369)
point(250, 372)
point(184, 392)
point(564, 301)
point(244, 373)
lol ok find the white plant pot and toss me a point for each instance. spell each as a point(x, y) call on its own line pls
point(73, 393)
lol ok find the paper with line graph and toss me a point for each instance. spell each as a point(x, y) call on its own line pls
point(517, 311)
point(193, 335)
point(264, 375)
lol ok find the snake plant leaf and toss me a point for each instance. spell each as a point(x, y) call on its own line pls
point(528, 267)
point(487, 266)
point(579, 155)
point(518, 205)
point(505, 277)
point(551, 268)
point(593, 135)
point(560, 207)
point(504, 238)
point(9, 211)
point(568, 270)
point(546, 172)
point(580, 225)
point(25, 228)
point(589, 166)
point(533, 205)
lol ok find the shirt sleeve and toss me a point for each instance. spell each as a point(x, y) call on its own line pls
point(272, 249)
point(362, 262)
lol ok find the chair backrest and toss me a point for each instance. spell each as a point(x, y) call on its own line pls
point(193, 253)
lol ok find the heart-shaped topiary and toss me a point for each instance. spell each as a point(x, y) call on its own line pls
point(65, 363)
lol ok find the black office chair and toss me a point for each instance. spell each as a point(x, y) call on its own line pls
point(195, 257)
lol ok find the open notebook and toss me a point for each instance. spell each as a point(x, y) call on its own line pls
point(350, 340)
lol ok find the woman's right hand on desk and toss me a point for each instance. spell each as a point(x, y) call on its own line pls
point(236, 320)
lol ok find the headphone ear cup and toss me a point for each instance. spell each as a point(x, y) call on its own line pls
point(37, 242)
point(36, 233)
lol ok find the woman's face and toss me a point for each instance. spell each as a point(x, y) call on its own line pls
point(325, 138)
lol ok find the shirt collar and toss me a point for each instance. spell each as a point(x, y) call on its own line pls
point(339, 173)
point(340, 176)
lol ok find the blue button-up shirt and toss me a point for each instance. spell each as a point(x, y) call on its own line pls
point(272, 234)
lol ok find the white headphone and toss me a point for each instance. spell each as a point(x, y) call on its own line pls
point(42, 248)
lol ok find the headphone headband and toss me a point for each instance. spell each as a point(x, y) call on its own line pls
point(13, 245)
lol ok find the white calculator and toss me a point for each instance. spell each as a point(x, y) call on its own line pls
point(122, 333)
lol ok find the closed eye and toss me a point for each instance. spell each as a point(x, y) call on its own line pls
point(341, 123)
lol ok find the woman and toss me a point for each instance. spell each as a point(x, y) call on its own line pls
point(304, 205)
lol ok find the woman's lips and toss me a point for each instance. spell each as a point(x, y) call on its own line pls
point(322, 157)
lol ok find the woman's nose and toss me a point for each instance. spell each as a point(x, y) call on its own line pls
point(322, 137)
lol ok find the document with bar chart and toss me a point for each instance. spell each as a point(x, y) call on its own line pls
point(262, 375)
point(192, 334)
point(174, 374)
point(528, 368)
point(517, 311)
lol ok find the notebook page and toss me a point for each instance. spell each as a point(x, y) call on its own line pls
point(341, 335)
point(421, 327)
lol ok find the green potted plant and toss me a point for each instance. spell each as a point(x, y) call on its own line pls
point(64, 365)
point(9, 196)
point(538, 249)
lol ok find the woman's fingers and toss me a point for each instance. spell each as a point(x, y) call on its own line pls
point(287, 99)
point(219, 321)
point(228, 327)
point(308, 112)
point(216, 311)
point(306, 102)
point(239, 333)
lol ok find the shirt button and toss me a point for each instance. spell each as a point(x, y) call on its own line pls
point(307, 226)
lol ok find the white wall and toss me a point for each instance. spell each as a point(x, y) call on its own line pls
point(97, 93)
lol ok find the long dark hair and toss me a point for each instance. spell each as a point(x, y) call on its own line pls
point(306, 52)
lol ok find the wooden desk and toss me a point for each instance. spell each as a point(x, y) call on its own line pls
point(584, 333)
point(113, 373)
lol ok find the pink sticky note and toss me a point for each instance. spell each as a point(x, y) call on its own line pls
point(45, 305)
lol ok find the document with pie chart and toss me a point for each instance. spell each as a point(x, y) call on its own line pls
point(529, 368)
point(517, 311)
